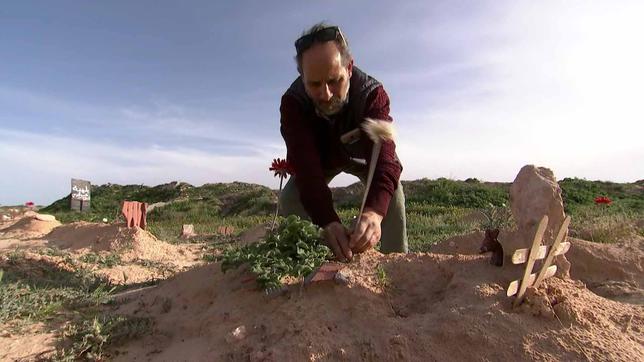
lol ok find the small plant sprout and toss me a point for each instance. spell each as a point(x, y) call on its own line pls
point(496, 217)
point(282, 169)
point(381, 275)
point(379, 131)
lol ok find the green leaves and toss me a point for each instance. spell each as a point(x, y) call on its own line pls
point(295, 249)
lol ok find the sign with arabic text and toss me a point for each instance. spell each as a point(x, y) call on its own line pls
point(80, 195)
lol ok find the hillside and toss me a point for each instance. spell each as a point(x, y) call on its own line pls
point(436, 209)
point(219, 199)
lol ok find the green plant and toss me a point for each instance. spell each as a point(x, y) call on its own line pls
point(90, 337)
point(35, 290)
point(15, 255)
point(282, 169)
point(381, 277)
point(108, 260)
point(294, 250)
point(496, 217)
point(604, 223)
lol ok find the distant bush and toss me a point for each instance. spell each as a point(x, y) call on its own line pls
point(579, 192)
point(444, 192)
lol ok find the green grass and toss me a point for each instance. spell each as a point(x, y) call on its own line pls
point(33, 291)
point(170, 229)
point(618, 221)
point(90, 337)
point(606, 223)
point(43, 291)
point(428, 224)
point(451, 193)
point(104, 260)
point(579, 193)
point(382, 278)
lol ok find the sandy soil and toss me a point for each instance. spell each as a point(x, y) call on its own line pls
point(436, 307)
point(35, 343)
point(446, 305)
point(143, 256)
point(26, 228)
point(613, 271)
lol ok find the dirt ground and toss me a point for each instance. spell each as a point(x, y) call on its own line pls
point(142, 256)
point(434, 307)
point(449, 305)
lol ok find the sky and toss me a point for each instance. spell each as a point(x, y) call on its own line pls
point(149, 92)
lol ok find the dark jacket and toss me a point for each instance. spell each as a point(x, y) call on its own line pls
point(315, 150)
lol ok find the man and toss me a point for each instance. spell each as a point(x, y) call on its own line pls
point(321, 116)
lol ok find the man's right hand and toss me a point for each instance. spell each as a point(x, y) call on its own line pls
point(337, 238)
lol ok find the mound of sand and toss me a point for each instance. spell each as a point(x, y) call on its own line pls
point(468, 244)
point(435, 307)
point(144, 257)
point(614, 271)
point(28, 227)
point(97, 237)
point(91, 236)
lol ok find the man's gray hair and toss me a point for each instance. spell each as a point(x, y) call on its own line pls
point(342, 44)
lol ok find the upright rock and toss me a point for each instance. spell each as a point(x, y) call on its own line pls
point(187, 231)
point(534, 193)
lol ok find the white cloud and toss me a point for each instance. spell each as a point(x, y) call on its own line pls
point(559, 87)
point(39, 167)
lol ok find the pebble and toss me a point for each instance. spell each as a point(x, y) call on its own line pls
point(340, 278)
point(237, 334)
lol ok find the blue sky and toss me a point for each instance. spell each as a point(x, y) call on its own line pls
point(147, 92)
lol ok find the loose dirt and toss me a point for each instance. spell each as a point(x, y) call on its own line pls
point(431, 307)
point(446, 305)
point(27, 228)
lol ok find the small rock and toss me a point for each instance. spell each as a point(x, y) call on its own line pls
point(105, 220)
point(187, 231)
point(341, 278)
point(5, 334)
point(237, 334)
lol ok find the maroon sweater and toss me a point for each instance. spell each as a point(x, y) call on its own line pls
point(314, 149)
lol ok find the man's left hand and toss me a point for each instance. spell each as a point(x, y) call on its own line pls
point(366, 233)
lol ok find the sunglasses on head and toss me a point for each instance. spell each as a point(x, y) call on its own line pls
point(322, 35)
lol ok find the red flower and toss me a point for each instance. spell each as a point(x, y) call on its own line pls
point(281, 168)
point(603, 200)
point(29, 204)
